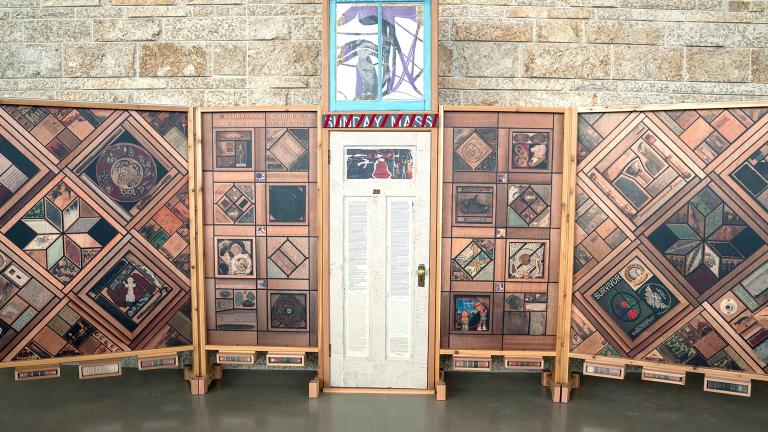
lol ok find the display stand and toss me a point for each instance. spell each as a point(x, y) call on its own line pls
point(90, 188)
point(702, 318)
point(262, 298)
point(504, 170)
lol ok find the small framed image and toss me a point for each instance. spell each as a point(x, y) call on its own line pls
point(234, 257)
point(471, 313)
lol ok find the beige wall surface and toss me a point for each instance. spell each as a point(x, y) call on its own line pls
point(500, 52)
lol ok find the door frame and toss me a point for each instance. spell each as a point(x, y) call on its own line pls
point(323, 366)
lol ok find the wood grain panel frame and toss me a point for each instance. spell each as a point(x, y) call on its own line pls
point(201, 366)
point(324, 371)
point(190, 157)
point(564, 353)
point(565, 227)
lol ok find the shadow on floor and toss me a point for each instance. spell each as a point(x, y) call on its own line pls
point(276, 401)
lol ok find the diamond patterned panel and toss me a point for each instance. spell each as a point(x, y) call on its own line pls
point(676, 196)
point(81, 191)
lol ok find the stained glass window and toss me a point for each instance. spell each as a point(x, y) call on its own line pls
point(380, 55)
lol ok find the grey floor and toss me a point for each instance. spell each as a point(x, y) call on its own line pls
point(276, 401)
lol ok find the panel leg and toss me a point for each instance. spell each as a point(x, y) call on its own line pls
point(440, 388)
point(199, 385)
point(314, 387)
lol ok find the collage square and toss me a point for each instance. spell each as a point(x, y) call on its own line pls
point(501, 236)
point(261, 233)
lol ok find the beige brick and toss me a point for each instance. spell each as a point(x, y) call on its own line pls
point(289, 58)
point(132, 29)
point(230, 59)
point(760, 65)
point(99, 12)
point(559, 31)
point(142, 2)
point(486, 59)
point(446, 57)
point(173, 59)
point(215, 2)
point(156, 11)
point(45, 31)
point(99, 60)
point(648, 63)
point(717, 64)
point(746, 6)
point(659, 4)
point(306, 28)
point(491, 29)
point(65, 3)
point(268, 28)
point(567, 61)
point(284, 9)
point(622, 32)
point(207, 29)
point(38, 13)
point(30, 61)
point(569, 12)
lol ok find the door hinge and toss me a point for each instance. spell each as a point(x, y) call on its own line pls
point(329, 350)
point(329, 156)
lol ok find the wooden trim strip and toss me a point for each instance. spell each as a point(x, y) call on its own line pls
point(94, 357)
point(95, 105)
point(505, 109)
point(678, 106)
point(671, 367)
point(561, 374)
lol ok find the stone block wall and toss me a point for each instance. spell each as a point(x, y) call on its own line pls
point(237, 52)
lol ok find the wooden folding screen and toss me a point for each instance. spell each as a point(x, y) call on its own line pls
point(502, 185)
point(671, 238)
point(260, 230)
point(94, 232)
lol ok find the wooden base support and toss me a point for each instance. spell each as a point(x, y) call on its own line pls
point(199, 385)
point(561, 393)
point(440, 389)
point(314, 387)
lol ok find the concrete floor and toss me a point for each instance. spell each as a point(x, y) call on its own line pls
point(276, 401)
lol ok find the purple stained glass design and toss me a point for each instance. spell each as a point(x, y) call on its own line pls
point(365, 71)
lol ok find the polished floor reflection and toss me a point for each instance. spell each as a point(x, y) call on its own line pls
point(276, 401)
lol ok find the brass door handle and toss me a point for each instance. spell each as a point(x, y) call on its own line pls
point(422, 274)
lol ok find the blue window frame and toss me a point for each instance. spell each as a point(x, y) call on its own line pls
point(380, 55)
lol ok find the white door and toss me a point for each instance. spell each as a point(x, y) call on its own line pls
point(379, 237)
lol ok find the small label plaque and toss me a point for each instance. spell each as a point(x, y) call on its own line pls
point(37, 373)
point(100, 369)
point(170, 361)
point(472, 363)
point(604, 370)
point(285, 359)
point(663, 376)
point(235, 358)
point(523, 363)
point(736, 387)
